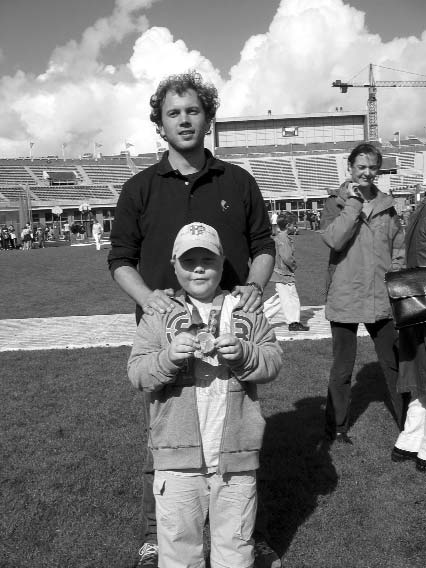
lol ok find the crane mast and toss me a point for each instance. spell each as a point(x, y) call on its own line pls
point(373, 127)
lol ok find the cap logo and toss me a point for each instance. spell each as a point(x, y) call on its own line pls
point(197, 229)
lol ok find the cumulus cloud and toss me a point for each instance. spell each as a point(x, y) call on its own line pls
point(311, 43)
point(81, 98)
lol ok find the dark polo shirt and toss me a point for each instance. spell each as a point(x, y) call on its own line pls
point(157, 202)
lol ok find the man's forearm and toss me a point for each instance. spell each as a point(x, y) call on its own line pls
point(131, 282)
point(261, 269)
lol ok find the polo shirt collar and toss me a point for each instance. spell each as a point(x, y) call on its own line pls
point(165, 168)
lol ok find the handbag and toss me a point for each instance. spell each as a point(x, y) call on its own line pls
point(407, 296)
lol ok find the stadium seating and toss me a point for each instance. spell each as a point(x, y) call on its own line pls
point(274, 175)
point(317, 172)
point(13, 193)
point(77, 193)
point(107, 173)
point(12, 174)
point(38, 170)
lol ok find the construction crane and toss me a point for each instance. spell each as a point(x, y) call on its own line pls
point(373, 129)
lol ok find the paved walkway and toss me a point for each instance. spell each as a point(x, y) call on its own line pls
point(76, 332)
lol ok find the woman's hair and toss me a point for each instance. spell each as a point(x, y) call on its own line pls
point(365, 148)
point(180, 84)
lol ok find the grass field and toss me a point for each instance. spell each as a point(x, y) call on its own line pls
point(71, 439)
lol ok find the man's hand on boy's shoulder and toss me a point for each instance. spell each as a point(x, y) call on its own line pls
point(158, 301)
point(250, 300)
point(229, 347)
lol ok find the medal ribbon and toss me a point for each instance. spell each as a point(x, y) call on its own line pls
point(213, 323)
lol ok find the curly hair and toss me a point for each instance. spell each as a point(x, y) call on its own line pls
point(180, 84)
point(365, 148)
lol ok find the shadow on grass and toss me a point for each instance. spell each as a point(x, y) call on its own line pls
point(369, 386)
point(295, 469)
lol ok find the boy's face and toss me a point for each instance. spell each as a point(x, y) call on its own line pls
point(199, 271)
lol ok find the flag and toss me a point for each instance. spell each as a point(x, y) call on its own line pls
point(98, 145)
point(31, 144)
point(64, 145)
point(128, 145)
point(396, 133)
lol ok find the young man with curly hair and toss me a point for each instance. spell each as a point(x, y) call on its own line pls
point(188, 184)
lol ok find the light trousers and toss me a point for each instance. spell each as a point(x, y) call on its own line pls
point(97, 238)
point(182, 504)
point(413, 437)
point(285, 302)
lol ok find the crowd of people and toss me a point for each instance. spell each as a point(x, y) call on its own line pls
point(35, 236)
point(30, 237)
point(194, 247)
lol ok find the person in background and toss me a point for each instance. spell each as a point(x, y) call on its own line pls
point(189, 184)
point(365, 237)
point(200, 364)
point(411, 443)
point(317, 220)
point(5, 238)
point(27, 237)
point(283, 276)
point(274, 217)
point(67, 235)
point(40, 236)
point(97, 232)
point(12, 236)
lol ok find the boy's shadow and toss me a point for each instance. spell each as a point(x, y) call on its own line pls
point(295, 468)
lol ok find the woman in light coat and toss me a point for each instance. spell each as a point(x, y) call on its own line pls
point(365, 237)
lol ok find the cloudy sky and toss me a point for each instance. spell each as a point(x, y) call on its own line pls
point(81, 71)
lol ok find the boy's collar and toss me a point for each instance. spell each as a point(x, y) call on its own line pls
point(180, 295)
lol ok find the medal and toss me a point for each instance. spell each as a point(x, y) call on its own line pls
point(206, 340)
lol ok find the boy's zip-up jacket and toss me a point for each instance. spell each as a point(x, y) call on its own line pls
point(174, 433)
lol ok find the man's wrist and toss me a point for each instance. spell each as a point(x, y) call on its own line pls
point(258, 287)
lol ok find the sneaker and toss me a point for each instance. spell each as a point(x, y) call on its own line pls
point(343, 438)
point(148, 556)
point(297, 326)
point(264, 556)
point(399, 455)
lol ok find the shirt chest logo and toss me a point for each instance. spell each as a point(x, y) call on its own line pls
point(177, 324)
point(243, 326)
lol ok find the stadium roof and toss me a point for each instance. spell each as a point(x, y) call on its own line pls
point(289, 116)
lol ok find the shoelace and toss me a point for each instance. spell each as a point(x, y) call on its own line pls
point(148, 551)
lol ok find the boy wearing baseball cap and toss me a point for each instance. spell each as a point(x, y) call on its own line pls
point(201, 363)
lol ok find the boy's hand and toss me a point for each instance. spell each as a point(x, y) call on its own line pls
point(229, 347)
point(182, 347)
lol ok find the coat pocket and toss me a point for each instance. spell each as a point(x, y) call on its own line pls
point(174, 419)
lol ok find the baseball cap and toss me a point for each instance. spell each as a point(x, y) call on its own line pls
point(197, 235)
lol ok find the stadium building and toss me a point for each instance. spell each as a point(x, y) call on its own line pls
point(295, 159)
